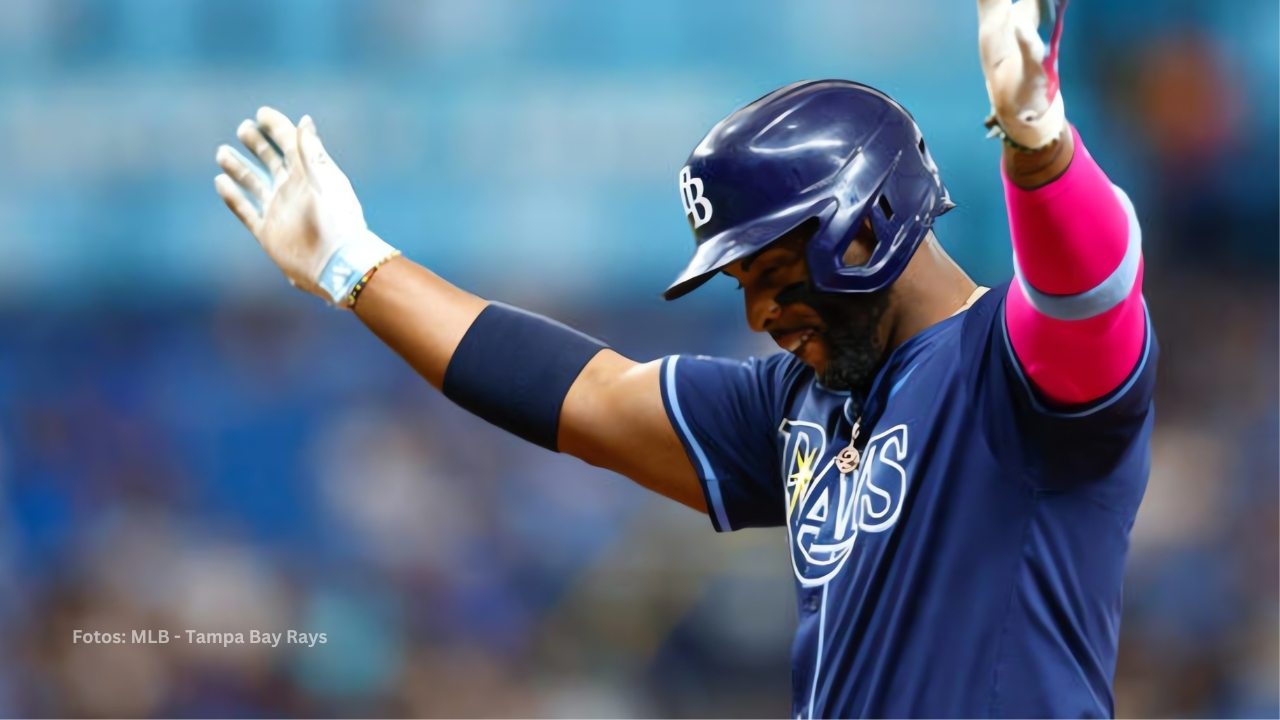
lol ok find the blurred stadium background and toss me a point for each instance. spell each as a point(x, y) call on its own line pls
point(187, 443)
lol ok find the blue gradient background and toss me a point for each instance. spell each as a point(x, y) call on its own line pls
point(185, 442)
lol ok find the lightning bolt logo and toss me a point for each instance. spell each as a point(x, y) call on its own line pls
point(799, 480)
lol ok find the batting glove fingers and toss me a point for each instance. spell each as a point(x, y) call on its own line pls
point(299, 205)
point(1018, 46)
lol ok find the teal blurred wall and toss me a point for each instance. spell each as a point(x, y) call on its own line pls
point(186, 440)
point(502, 142)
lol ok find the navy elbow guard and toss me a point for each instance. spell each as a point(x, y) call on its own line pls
point(514, 368)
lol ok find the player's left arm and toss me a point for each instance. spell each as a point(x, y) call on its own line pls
point(1075, 316)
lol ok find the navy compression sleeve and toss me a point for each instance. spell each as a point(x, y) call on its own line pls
point(513, 368)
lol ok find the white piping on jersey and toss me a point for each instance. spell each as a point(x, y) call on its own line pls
point(708, 475)
point(1102, 297)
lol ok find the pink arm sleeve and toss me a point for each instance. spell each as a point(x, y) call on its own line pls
point(1075, 315)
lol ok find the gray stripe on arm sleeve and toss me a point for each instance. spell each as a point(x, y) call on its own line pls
point(1106, 294)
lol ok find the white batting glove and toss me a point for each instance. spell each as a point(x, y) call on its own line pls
point(301, 208)
point(1018, 44)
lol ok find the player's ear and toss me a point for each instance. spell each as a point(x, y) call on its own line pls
point(862, 245)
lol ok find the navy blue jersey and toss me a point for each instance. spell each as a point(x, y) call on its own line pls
point(971, 563)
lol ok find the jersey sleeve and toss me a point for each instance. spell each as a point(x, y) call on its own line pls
point(1060, 446)
point(726, 413)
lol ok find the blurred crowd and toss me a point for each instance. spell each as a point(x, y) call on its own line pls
point(179, 451)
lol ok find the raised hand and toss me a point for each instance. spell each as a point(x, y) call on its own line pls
point(1018, 44)
point(299, 205)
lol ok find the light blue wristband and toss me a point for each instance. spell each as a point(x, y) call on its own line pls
point(348, 264)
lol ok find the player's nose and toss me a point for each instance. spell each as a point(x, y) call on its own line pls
point(762, 310)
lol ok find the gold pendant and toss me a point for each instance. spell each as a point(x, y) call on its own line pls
point(847, 459)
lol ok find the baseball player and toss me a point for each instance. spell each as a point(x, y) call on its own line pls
point(957, 468)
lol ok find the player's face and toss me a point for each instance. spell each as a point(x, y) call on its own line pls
point(839, 335)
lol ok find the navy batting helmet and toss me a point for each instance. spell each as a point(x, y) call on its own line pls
point(831, 150)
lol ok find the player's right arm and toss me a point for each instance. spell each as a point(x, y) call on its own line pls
point(527, 374)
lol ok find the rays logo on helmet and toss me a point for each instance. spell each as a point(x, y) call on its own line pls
point(696, 205)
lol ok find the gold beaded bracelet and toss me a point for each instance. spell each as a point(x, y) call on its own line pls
point(995, 129)
point(359, 286)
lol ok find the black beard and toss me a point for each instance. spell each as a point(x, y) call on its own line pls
point(853, 339)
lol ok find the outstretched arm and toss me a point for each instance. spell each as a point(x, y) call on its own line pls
point(611, 417)
point(527, 374)
point(1075, 315)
